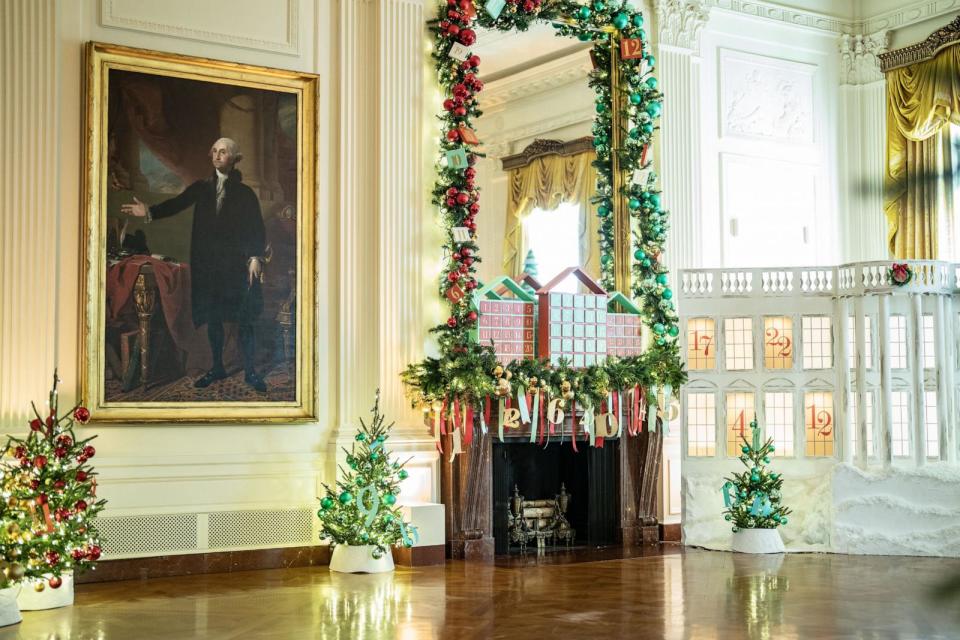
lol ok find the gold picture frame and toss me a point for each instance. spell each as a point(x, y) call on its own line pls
point(150, 286)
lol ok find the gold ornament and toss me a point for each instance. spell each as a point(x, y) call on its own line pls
point(13, 528)
point(533, 381)
point(498, 371)
point(38, 587)
point(565, 386)
point(16, 571)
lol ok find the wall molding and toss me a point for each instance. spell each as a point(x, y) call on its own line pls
point(860, 57)
point(501, 144)
point(111, 16)
point(681, 22)
point(938, 40)
point(550, 75)
point(909, 14)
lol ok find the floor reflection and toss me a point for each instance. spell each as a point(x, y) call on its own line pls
point(670, 594)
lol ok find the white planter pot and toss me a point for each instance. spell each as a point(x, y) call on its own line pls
point(349, 559)
point(758, 541)
point(32, 600)
point(9, 610)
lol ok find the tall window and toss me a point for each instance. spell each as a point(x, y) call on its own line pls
point(554, 237)
point(701, 424)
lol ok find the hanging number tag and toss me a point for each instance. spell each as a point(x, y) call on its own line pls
point(631, 48)
point(494, 8)
point(457, 159)
point(405, 531)
point(369, 513)
point(522, 404)
point(511, 418)
point(461, 234)
point(555, 412)
point(459, 52)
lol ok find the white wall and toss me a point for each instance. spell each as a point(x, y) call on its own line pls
point(178, 474)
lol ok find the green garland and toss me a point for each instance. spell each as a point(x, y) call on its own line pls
point(465, 369)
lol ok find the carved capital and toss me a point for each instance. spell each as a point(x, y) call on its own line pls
point(859, 61)
point(681, 22)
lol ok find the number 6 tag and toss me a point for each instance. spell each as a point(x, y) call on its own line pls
point(555, 412)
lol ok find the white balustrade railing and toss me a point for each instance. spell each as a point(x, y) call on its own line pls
point(858, 368)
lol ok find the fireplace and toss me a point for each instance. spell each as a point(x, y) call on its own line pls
point(589, 476)
point(613, 488)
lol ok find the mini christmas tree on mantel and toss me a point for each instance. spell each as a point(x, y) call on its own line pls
point(362, 511)
point(752, 497)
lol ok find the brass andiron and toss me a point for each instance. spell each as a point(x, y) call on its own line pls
point(539, 520)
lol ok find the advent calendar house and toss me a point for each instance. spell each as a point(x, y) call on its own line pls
point(506, 319)
point(624, 326)
point(572, 325)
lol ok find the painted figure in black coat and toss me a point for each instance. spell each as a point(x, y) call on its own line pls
point(226, 254)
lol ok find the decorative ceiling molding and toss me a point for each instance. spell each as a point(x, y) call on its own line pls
point(681, 22)
point(550, 75)
point(540, 148)
point(936, 41)
point(112, 15)
point(500, 141)
point(910, 13)
point(859, 57)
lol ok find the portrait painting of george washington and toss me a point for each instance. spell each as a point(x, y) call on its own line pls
point(200, 245)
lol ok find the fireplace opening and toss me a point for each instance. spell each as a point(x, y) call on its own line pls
point(589, 477)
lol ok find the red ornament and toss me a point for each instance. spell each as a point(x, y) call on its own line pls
point(453, 135)
point(462, 198)
point(451, 322)
point(471, 159)
point(472, 316)
point(82, 415)
point(453, 15)
point(59, 485)
point(470, 173)
point(474, 61)
point(466, 252)
point(451, 202)
point(55, 582)
point(454, 30)
point(94, 553)
point(35, 424)
point(471, 284)
point(24, 462)
point(456, 256)
point(467, 36)
point(77, 554)
point(453, 276)
point(64, 441)
point(40, 462)
point(50, 421)
point(89, 451)
point(468, 261)
point(19, 452)
point(42, 498)
point(52, 557)
point(452, 191)
point(34, 484)
point(464, 268)
point(448, 104)
point(81, 458)
point(80, 506)
point(474, 208)
point(81, 476)
point(460, 111)
point(59, 452)
point(444, 25)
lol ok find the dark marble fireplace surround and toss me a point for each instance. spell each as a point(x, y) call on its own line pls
point(614, 489)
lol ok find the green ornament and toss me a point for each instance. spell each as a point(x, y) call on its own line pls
point(652, 82)
point(603, 211)
point(353, 464)
point(673, 330)
point(656, 229)
point(636, 98)
point(661, 341)
point(727, 517)
point(651, 61)
point(635, 133)
point(655, 200)
point(647, 127)
point(642, 34)
point(374, 456)
point(637, 20)
point(662, 278)
point(772, 448)
point(364, 536)
point(360, 437)
point(639, 254)
point(766, 460)
point(653, 109)
point(583, 36)
point(634, 204)
point(646, 263)
point(658, 328)
point(745, 449)
point(667, 294)
point(776, 517)
point(783, 521)
point(599, 5)
point(734, 529)
point(403, 474)
point(601, 107)
point(326, 503)
point(621, 20)
point(390, 499)
point(346, 497)
point(743, 493)
point(584, 13)
point(606, 258)
point(754, 478)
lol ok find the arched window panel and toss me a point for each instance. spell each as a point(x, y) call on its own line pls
point(740, 409)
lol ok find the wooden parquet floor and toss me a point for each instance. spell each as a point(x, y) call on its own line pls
point(673, 595)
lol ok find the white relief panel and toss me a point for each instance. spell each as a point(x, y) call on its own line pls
point(250, 24)
point(766, 98)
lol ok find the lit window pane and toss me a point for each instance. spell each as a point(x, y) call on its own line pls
point(933, 426)
point(818, 423)
point(853, 418)
point(898, 342)
point(778, 342)
point(740, 411)
point(817, 343)
point(701, 345)
point(778, 421)
point(899, 436)
point(852, 342)
point(701, 424)
point(554, 237)
point(929, 357)
point(738, 339)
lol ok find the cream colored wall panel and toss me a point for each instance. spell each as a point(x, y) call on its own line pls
point(193, 493)
point(268, 26)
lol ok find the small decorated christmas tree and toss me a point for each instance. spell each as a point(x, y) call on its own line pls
point(55, 487)
point(530, 268)
point(362, 510)
point(752, 497)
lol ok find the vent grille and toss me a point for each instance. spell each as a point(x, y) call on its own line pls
point(149, 534)
point(228, 529)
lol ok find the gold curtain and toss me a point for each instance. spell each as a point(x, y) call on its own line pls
point(545, 183)
point(922, 100)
